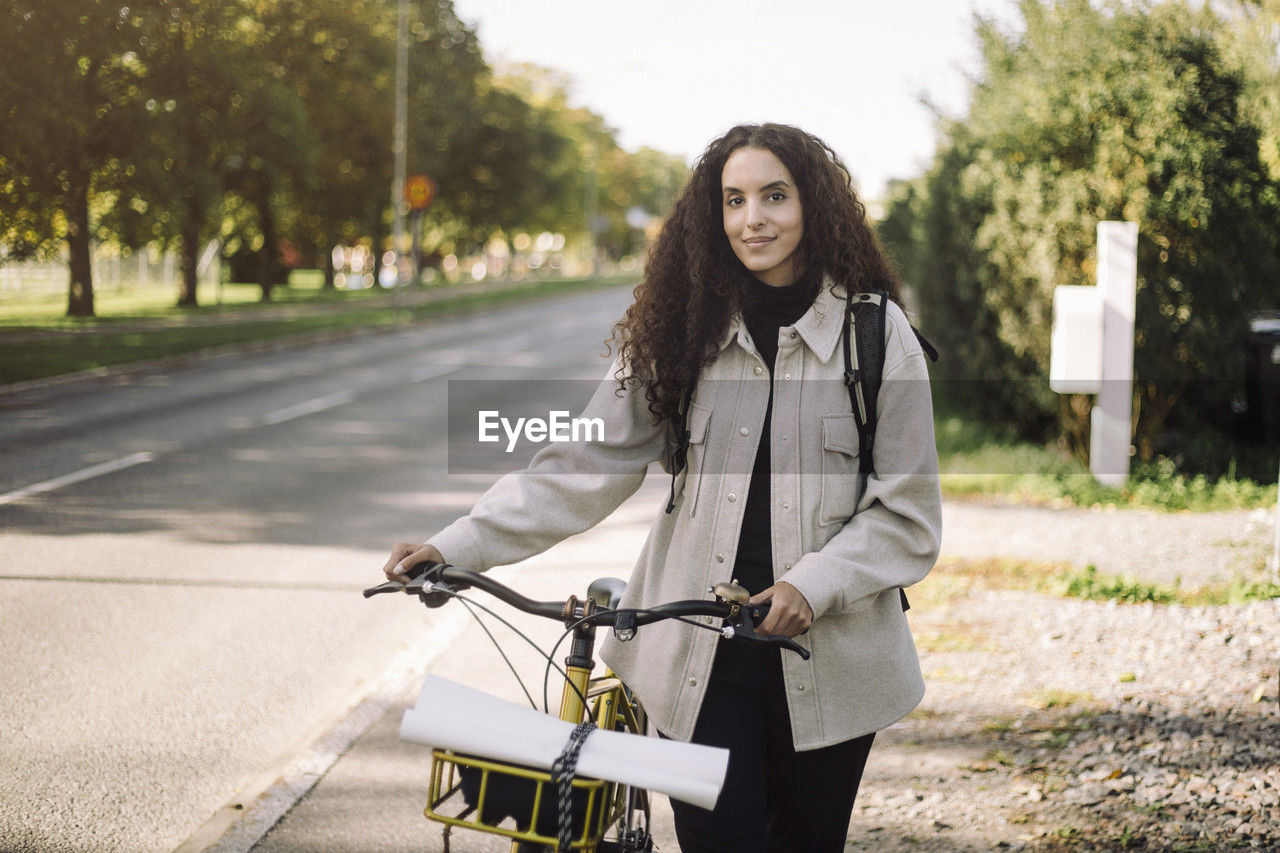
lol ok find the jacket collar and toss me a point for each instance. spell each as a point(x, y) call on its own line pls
point(819, 328)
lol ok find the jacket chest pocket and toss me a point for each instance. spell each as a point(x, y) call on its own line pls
point(699, 424)
point(839, 469)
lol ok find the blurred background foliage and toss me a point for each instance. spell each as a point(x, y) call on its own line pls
point(1162, 113)
point(265, 125)
point(259, 122)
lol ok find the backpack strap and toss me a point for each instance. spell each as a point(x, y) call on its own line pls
point(928, 348)
point(864, 370)
point(864, 366)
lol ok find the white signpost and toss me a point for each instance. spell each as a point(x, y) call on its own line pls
point(1092, 348)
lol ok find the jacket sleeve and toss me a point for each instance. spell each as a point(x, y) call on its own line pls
point(567, 488)
point(893, 537)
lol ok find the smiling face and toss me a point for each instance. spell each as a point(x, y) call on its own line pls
point(762, 215)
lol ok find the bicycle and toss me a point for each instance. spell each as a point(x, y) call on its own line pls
point(589, 814)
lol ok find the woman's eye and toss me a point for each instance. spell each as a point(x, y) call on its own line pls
point(734, 202)
point(777, 197)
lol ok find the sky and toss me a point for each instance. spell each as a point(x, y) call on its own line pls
point(675, 74)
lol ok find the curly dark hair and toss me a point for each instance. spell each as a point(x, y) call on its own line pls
point(694, 284)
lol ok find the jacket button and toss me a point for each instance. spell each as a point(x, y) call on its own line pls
point(732, 497)
point(693, 681)
point(787, 566)
point(786, 505)
point(787, 375)
point(793, 336)
point(719, 558)
point(786, 437)
point(759, 371)
point(800, 687)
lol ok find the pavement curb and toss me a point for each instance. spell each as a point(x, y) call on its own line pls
point(261, 803)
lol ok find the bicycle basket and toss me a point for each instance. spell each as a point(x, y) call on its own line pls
point(494, 792)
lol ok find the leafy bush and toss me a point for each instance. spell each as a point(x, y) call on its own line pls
point(1090, 112)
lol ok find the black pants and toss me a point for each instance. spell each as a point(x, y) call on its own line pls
point(775, 800)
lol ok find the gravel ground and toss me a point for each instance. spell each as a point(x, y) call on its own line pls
point(1150, 545)
point(1058, 724)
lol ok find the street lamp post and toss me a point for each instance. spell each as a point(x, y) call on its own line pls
point(398, 146)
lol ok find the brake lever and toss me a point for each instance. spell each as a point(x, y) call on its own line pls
point(748, 635)
point(388, 586)
point(743, 627)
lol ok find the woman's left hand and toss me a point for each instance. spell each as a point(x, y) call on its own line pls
point(789, 614)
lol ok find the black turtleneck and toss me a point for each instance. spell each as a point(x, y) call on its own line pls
point(766, 310)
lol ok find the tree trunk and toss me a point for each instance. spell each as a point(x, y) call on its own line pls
point(378, 233)
point(270, 251)
point(80, 289)
point(329, 272)
point(188, 259)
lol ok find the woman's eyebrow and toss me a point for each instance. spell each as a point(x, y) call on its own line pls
point(769, 186)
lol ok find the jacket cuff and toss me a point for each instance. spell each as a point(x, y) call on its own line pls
point(820, 596)
point(460, 548)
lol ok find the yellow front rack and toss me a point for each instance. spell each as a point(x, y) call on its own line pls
point(515, 801)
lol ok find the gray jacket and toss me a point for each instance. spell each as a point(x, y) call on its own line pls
point(845, 542)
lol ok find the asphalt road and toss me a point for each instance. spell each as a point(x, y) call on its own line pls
point(181, 552)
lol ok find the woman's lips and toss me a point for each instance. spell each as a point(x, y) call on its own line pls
point(756, 242)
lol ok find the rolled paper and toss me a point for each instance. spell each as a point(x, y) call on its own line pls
point(451, 716)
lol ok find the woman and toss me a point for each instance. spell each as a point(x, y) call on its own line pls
point(732, 342)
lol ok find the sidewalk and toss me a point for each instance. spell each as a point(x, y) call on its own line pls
point(373, 796)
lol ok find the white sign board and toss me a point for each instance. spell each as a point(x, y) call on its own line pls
point(1091, 351)
point(1075, 350)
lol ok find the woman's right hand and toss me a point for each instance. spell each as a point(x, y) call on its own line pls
point(404, 555)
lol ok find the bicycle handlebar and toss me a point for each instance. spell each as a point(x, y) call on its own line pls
point(740, 619)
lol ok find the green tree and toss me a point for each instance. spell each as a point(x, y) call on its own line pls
point(70, 78)
point(595, 178)
point(346, 87)
point(1251, 35)
point(276, 147)
point(1087, 114)
point(193, 72)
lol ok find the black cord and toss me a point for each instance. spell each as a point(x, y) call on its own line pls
point(546, 673)
point(550, 661)
point(551, 657)
point(498, 646)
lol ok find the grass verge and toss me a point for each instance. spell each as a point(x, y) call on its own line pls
point(975, 461)
point(954, 578)
point(104, 342)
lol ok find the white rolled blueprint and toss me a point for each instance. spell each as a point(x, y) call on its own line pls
point(451, 716)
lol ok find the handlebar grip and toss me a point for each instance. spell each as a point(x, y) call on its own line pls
point(758, 613)
point(411, 574)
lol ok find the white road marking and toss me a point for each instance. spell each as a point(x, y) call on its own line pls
point(78, 476)
point(431, 371)
point(310, 407)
